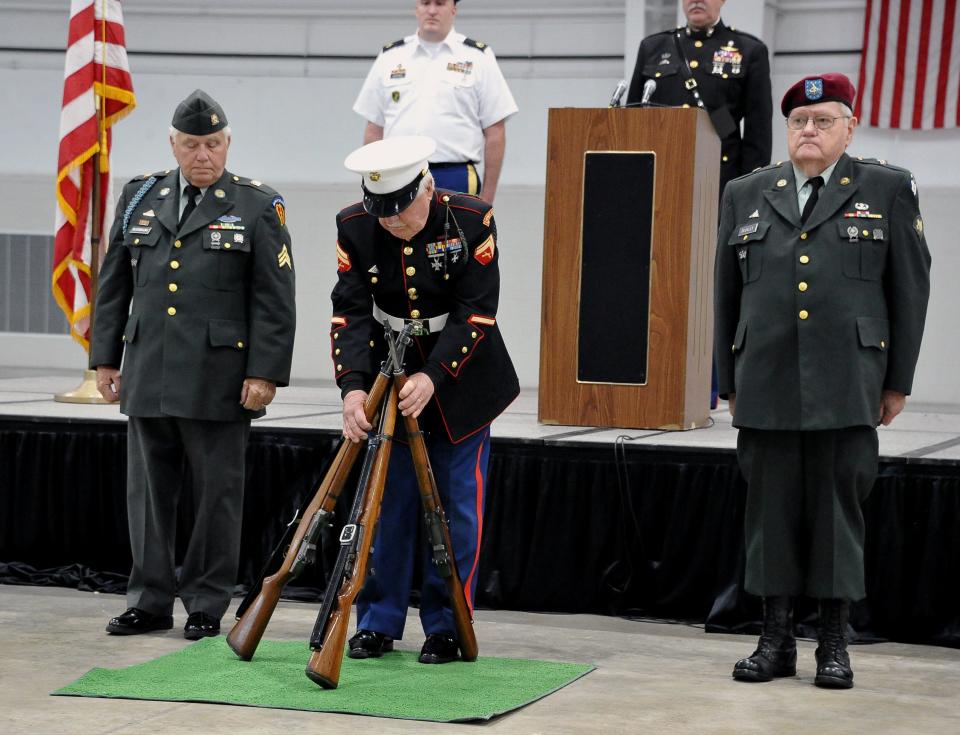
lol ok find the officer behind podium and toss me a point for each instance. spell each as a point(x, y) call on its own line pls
point(441, 84)
point(196, 298)
point(822, 279)
point(726, 70)
point(412, 253)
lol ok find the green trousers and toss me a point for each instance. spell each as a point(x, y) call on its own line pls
point(804, 522)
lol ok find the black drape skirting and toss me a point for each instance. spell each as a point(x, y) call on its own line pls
point(648, 532)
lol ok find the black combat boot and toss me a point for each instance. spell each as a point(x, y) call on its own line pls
point(776, 653)
point(833, 662)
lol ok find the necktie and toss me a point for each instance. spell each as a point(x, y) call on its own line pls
point(191, 191)
point(816, 182)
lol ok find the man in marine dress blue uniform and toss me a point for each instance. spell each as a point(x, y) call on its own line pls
point(441, 84)
point(412, 253)
point(196, 298)
point(822, 280)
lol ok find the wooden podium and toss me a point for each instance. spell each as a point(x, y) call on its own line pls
point(630, 228)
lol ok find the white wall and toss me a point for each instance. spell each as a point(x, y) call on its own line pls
point(293, 126)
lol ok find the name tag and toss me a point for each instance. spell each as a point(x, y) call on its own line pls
point(748, 229)
point(140, 230)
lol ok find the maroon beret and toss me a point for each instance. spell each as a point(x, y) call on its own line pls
point(822, 88)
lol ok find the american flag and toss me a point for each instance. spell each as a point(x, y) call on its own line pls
point(97, 92)
point(910, 65)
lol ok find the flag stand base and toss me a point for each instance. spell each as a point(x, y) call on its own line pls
point(86, 392)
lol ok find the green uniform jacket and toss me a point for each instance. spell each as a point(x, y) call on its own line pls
point(435, 273)
point(195, 312)
point(814, 321)
point(732, 70)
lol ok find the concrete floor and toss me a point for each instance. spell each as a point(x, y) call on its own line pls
point(650, 678)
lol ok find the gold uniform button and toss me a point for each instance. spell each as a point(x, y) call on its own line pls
point(746, 237)
point(685, 104)
point(172, 311)
point(336, 351)
point(374, 279)
point(372, 343)
point(446, 276)
point(883, 344)
point(172, 287)
point(239, 345)
point(336, 335)
point(136, 241)
point(657, 75)
point(412, 293)
point(411, 271)
point(464, 350)
point(694, 64)
point(226, 246)
point(174, 264)
point(453, 364)
point(339, 367)
point(698, 44)
point(866, 233)
point(415, 314)
point(725, 158)
point(804, 259)
point(446, 198)
point(236, 178)
point(802, 286)
point(803, 314)
point(725, 76)
point(408, 250)
point(177, 243)
point(473, 335)
point(803, 235)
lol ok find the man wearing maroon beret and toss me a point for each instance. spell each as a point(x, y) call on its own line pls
point(822, 280)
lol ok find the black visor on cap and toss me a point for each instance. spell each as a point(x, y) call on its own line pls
point(388, 205)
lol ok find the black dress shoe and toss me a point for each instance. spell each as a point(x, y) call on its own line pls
point(369, 644)
point(200, 625)
point(135, 621)
point(439, 649)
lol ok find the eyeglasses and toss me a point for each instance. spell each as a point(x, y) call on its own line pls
point(823, 122)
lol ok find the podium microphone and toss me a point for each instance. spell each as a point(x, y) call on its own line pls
point(649, 87)
point(618, 93)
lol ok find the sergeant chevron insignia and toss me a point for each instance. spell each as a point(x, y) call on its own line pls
point(487, 217)
point(284, 259)
point(343, 260)
point(484, 254)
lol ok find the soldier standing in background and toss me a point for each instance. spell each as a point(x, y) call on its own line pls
point(441, 84)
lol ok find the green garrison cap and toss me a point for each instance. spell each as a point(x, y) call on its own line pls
point(199, 114)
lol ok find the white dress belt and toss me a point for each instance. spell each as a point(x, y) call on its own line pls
point(422, 327)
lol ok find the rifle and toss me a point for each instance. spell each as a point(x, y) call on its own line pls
point(257, 608)
point(356, 540)
point(438, 531)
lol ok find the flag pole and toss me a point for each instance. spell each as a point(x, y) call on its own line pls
point(87, 391)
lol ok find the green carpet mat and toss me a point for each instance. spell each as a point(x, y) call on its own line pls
point(392, 686)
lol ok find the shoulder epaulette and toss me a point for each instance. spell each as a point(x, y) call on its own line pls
point(476, 44)
point(394, 44)
point(144, 177)
point(740, 32)
point(761, 169)
point(881, 162)
point(254, 184)
point(354, 210)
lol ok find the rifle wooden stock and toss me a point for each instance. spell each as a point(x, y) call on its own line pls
point(249, 628)
point(430, 497)
point(326, 660)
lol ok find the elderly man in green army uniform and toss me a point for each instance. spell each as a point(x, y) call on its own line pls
point(196, 298)
point(822, 281)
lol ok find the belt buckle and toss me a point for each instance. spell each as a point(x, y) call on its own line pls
point(691, 83)
point(420, 327)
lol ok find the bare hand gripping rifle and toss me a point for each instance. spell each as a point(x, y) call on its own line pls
point(255, 611)
point(437, 529)
point(356, 540)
